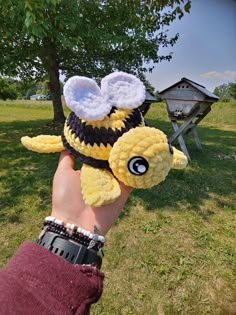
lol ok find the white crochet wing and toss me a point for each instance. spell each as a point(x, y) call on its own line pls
point(83, 96)
point(123, 90)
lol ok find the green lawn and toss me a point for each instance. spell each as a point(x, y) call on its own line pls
point(173, 249)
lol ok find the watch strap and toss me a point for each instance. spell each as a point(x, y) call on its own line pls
point(73, 253)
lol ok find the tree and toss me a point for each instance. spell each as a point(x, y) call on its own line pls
point(232, 90)
point(7, 89)
point(149, 87)
point(26, 88)
point(226, 92)
point(91, 38)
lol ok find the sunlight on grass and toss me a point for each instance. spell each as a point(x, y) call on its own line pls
point(173, 249)
point(26, 110)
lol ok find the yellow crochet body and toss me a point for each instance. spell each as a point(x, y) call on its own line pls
point(43, 143)
point(106, 132)
point(99, 186)
point(140, 158)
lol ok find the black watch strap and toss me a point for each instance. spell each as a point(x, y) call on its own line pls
point(73, 253)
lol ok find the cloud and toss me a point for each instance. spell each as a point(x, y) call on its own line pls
point(228, 75)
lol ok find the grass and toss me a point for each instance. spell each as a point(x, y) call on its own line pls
point(173, 249)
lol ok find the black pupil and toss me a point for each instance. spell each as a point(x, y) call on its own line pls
point(138, 165)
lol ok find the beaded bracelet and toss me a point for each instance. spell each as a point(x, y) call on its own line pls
point(77, 237)
point(90, 244)
point(72, 228)
point(75, 233)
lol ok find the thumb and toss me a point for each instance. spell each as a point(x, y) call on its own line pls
point(66, 161)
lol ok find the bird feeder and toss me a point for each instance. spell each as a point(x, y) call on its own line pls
point(187, 103)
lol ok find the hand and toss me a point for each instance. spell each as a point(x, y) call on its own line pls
point(68, 204)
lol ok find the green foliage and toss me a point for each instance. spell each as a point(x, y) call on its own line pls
point(149, 87)
point(42, 87)
point(26, 88)
point(8, 93)
point(14, 88)
point(7, 89)
point(85, 37)
point(226, 92)
point(232, 90)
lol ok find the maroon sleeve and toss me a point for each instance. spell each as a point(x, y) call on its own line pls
point(35, 281)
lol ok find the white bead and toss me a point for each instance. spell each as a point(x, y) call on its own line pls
point(50, 218)
point(95, 237)
point(101, 238)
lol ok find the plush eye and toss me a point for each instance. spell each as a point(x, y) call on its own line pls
point(138, 165)
point(171, 149)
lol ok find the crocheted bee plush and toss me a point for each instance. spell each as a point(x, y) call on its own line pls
point(106, 132)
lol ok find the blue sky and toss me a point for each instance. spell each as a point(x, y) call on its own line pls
point(206, 49)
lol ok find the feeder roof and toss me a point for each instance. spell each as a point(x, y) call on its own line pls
point(150, 97)
point(196, 85)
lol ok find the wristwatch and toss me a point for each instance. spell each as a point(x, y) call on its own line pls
point(74, 253)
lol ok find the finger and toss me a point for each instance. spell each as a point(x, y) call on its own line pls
point(125, 189)
point(66, 161)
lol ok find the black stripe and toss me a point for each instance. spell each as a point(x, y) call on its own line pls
point(82, 158)
point(91, 135)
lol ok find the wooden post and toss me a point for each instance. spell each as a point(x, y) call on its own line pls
point(196, 138)
point(181, 140)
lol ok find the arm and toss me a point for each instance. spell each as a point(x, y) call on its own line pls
point(36, 281)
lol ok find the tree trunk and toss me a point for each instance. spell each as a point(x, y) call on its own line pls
point(51, 63)
point(53, 74)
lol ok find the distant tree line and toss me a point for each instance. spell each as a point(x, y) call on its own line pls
point(226, 92)
point(11, 88)
point(7, 89)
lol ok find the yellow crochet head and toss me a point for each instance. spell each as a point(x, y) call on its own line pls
point(142, 157)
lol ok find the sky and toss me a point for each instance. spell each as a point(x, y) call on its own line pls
point(206, 49)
